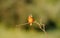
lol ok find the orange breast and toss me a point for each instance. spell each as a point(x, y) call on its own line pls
point(30, 20)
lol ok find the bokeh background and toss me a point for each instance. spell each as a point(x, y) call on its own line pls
point(15, 12)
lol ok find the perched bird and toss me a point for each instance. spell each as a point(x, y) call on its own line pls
point(30, 20)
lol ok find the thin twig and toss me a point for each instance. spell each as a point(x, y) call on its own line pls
point(43, 29)
point(21, 24)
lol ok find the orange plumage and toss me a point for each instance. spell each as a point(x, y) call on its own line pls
point(30, 20)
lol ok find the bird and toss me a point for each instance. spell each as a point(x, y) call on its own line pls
point(30, 19)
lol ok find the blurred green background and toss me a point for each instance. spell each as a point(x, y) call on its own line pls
point(15, 12)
